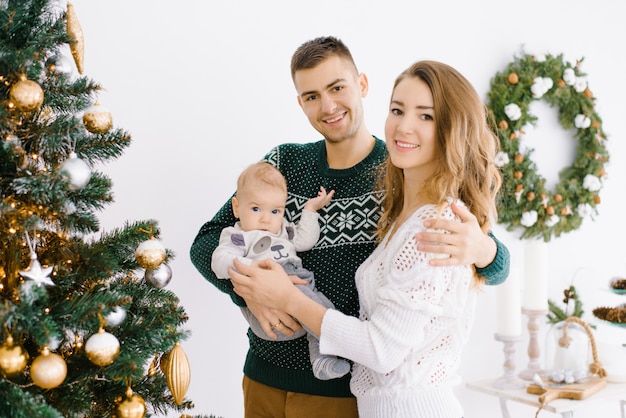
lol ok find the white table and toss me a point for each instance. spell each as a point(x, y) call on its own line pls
point(565, 407)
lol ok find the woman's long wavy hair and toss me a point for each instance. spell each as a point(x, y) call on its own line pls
point(464, 168)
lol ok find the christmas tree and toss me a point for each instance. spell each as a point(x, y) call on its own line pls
point(88, 329)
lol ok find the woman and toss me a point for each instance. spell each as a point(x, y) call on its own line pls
point(414, 318)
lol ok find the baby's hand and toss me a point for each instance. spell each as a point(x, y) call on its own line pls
point(297, 280)
point(320, 201)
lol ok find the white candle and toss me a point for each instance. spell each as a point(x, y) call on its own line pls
point(536, 275)
point(508, 306)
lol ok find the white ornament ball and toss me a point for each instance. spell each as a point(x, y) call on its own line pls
point(62, 64)
point(150, 254)
point(115, 317)
point(102, 348)
point(77, 171)
point(160, 276)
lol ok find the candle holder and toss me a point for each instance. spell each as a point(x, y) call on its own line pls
point(509, 380)
point(533, 343)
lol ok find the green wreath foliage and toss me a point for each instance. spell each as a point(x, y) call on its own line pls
point(525, 202)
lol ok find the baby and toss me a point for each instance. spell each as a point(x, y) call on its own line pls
point(263, 232)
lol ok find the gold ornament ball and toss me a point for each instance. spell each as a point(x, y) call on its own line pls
point(150, 254)
point(102, 348)
point(175, 367)
point(48, 370)
point(13, 358)
point(97, 119)
point(26, 95)
point(132, 407)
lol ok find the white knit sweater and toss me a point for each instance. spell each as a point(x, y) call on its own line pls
point(414, 321)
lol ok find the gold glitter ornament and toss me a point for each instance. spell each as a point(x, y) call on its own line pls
point(175, 367)
point(97, 119)
point(132, 407)
point(102, 348)
point(13, 358)
point(150, 254)
point(26, 95)
point(48, 370)
point(77, 43)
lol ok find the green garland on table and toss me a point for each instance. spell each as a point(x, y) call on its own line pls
point(525, 202)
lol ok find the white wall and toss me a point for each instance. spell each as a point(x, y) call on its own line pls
point(204, 88)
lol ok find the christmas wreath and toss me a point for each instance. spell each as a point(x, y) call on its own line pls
point(525, 202)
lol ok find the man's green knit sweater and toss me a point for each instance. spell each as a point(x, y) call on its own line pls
point(348, 224)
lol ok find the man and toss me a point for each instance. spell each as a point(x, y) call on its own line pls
point(278, 379)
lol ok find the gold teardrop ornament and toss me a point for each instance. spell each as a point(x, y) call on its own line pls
point(175, 367)
point(77, 42)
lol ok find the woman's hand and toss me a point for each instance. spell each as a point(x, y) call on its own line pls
point(267, 289)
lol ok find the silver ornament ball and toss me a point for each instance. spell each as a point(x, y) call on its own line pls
point(159, 277)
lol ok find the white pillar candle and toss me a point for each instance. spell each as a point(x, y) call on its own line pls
point(508, 306)
point(536, 275)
